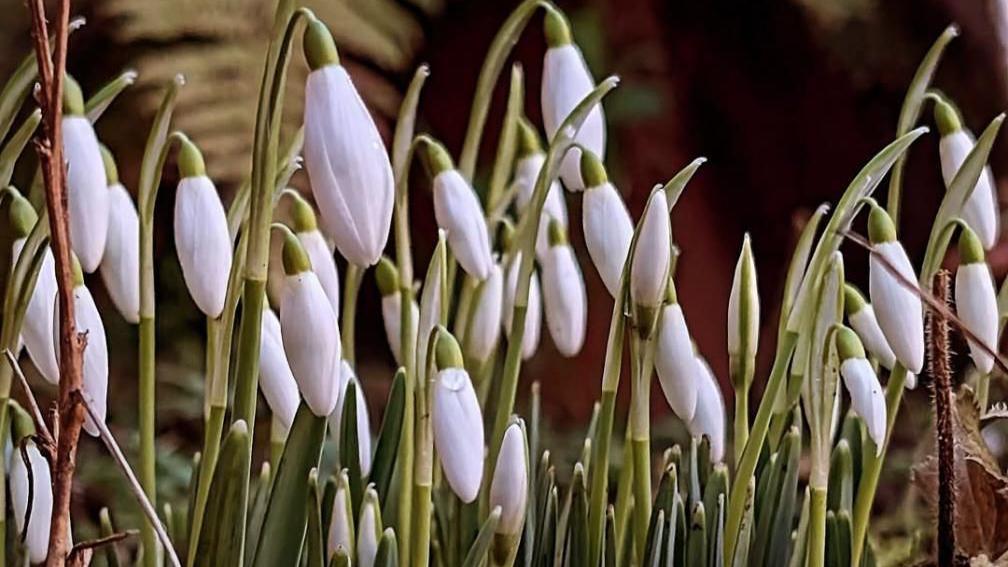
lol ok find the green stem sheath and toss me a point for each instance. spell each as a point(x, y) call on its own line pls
point(148, 456)
point(351, 287)
point(817, 528)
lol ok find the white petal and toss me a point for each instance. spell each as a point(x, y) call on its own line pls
point(311, 340)
point(460, 215)
point(649, 271)
point(323, 264)
point(533, 312)
point(37, 329)
point(867, 399)
point(564, 299)
point(95, 368)
point(348, 166)
point(276, 380)
point(347, 375)
point(555, 207)
point(509, 487)
point(910, 381)
point(565, 82)
point(203, 243)
point(120, 265)
point(340, 526)
point(458, 432)
point(607, 231)
point(367, 536)
point(981, 209)
point(899, 310)
point(392, 317)
point(485, 327)
point(37, 540)
point(675, 363)
point(867, 328)
point(976, 305)
point(87, 193)
point(709, 417)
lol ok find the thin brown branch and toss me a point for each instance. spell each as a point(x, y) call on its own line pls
point(40, 425)
point(941, 373)
point(81, 552)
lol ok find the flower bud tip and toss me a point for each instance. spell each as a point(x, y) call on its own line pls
point(557, 233)
point(295, 259)
point(970, 249)
point(387, 277)
point(592, 171)
point(437, 158)
point(319, 47)
point(848, 344)
point(190, 160)
point(880, 225)
point(945, 116)
point(528, 139)
point(22, 216)
point(111, 171)
point(73, 98)
point(447, 352)
point(302, 214)
point(854, 302)
point(555, 28)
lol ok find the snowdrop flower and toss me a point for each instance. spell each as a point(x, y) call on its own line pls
point(981, 209)
point(310, 333)
point(899, 310)
point(95, 368)
point(564, 294)
point(388, 285)
point(37, 328)
point(120, 264)
point(533, 311)
point(607, 225)
point(369, 529)
point(40, 489)
point(861, 318)
point(305, 226)
point(459, 213)
point(201, 233)
point(87, 193)
point(709, 418)
point(530, 159)
point(566, 80)
point(346, 377)
point(341, 526)
point(485, 326)
point(509, 486)
point(675, 362)
point(867, 399)
point(650, 267)
point(347, 163)
point(743, 312)
point(976, 300)
point(276, 380)
point(457, 421)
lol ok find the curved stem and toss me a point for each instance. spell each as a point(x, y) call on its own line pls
point(351, 287)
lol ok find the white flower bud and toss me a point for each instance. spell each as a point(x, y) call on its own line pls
point(460, 215)
point(37, 329)
point(533, 312)
point(485, 326)
point(323, 264)
point(341, 526)
point(347, 162)
point(276, 380)
point(554, 207)
point(675, 362)
point(120, 264)
point(95, 367)
point(744, 306)
point(650, 267)
point(867, 399)
point(709, 418)
point(457, 423)
point(607, 232)
point(369, 529)
point(861, 317)
point(392, 317)
point(37, 535)
point(346, 377)
point(976, 300)
point(87, 193)
point(564, 294)
point(509, 487)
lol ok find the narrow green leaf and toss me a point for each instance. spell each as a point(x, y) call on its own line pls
point(405, 124)
point(843, 536)
point(257, 509)
point(767, 497)
point(675, 186)
point(100, 101)
point(387, 447)
point(696, 551)
point(220, 541)
point(609, 539)
point(16, 145)
point(107, 529)
point(841, 480)
point(832, 545)
point(14, 92)
point(741, 558)
point(652, 554)
point(783, 518)
point(349, 452)
point(714, 491)
point(717, 558)
point(544, 546)
point(664, 503)
point(315, 540)
point(801, 534)
point(388, 550)
point(577, 525)
point(477, 553)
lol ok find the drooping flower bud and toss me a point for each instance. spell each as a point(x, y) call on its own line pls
point(87, 193)
point(709, 418)
point(566, 80)
point(650, 266)
point(202, 240)
point(39, 490)
point(509, 486)
point(323, 264)
point(564, 294)
point(388, 285)
point(743, 310)
point(899, 310)
point(275, 378)
point(608, 228)
point(530, 159)
point(347, 376)
point(347, 163)
point(457, 421)
point(485, 326)
point(675, 362)
point(120, 264)
point(37, 329)
point(341, 525)
point(533, 311)
point(981, 209)
point(861, 317)
point(976, 299)
point(309, 329)
point(459, 213)
point(369, 528)
point(867, 399)
point(95, 368)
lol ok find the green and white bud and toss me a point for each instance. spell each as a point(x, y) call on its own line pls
point(675, 362)
point(650, 266)
point(459, 213)
point(867, 398)
point(391, 300)
point(861, 317)
point(87, 191)
point(608, 228)
point(305, 226)
point(976, 300)
point(120, 263)
point(509, 487)
point(341, 525)
point(37, 328)
point(485, 324)
point(529, 163)
point(457, 421)
point(743, 311)
point(709, 417)
point(38, 488)
point(369, 529)
point(275, 377)
point(564, 296)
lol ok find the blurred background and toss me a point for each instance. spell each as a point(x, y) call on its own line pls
point(786, 98)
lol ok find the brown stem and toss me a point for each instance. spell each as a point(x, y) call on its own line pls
point(49, 146)
point(941, 373)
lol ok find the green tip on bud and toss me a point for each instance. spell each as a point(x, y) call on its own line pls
point(848, 344)
point(970, 249)
point(73, 98)
point(111, 171)
point(528, 139)
point(22, 424)
point(387, 277)
point(557, 233)
point(295, 259)
point(302, 214)
point(78, 274)
point(593, 173)
point(507, 234)
point(22, 215)
point(190, 160)
point(556, 29)
point(437, 158)
point(671, 297)
point(447, 352)
point(854, 302)
point(319, 47)
point(880, 225)
point(946, 117)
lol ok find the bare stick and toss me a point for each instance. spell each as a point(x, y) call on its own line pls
point(40, 425)
point(134, 484)
point(81, 551)
point(941, 372)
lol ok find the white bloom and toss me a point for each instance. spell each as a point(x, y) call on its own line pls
point(323, 265)
point(37, 329)
point(709, 417)
point(311, 340)
point(392, 317)
point(87, 193)
point(95, 367)
point(458, 432)
point(866, 325)
point(981, 209)
point(485, 326)
point(899, 310)
point(509, 487)
point(867, 398)
point(346, 377)
point(564, 299)
point(676, 365)
point(341, 527)
point(347, 162)
point(976, 305)
point(533, 312)
point(460, 215)
point(607, 232)
point(649, 271)
point(276, 380)
point(554, 207)
point(120, 264)
point(368, 530)
point(37, 537)
point(202, 242)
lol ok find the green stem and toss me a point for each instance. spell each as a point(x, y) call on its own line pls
point(640, 439)
point(817, 528)
point(148, 456)
point(247, 369)
point(741, 421)
point(208, 460)
point(351, 287)
point(624, 491)
point(983, 390)
point(420, 556)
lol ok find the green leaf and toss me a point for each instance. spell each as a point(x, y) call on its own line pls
point(832, 545)
point(388, 550)
point(664, 503)
point(841, 479)
point(801, 534)
point(717, 558)
point(349, 452)
point(696, 551)
point(675, 186)
point(544, 546)
point(406, 122)
point(715, 491)
point(100, 101)
point(220, 541)
point(609, 539)
point(387, 447)
point(652, 554)
point(257, 509)
point(741, 558)
point(780, 531)
point(315, 540)
point(14, 92)
point(14, 147)
point(284, 524)
point(850, 431)
point(577, 526)
point(478, 551)
point(843, 537)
